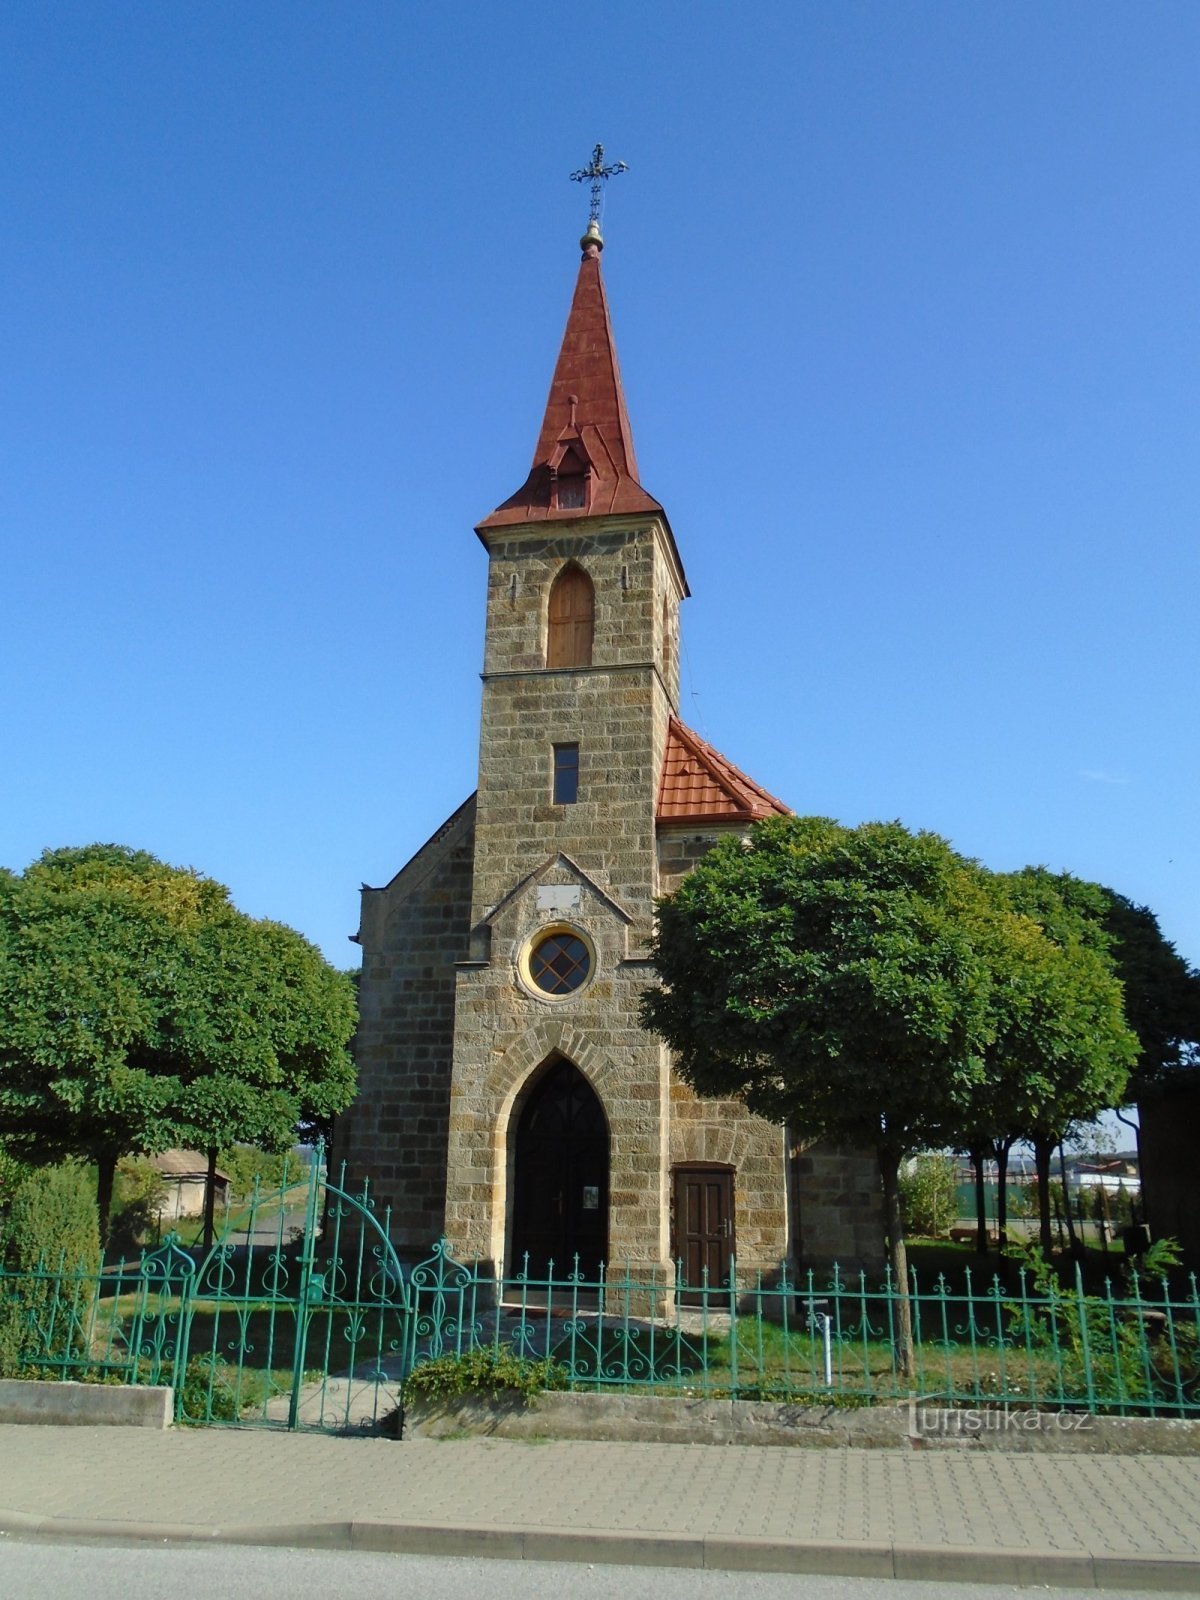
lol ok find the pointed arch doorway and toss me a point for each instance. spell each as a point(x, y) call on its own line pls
point(560, 1189)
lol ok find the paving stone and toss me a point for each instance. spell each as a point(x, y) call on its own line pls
point(1128, 1508)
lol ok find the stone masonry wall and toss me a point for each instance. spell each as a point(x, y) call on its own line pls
point(724, 1131)
point(413, 933)
point(680, 849)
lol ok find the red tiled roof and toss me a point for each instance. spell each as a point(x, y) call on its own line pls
point(699, 785)
point(586, 408)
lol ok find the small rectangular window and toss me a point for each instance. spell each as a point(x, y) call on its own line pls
point(566, 774)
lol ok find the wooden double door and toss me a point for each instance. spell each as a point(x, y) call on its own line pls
point(703, 1236)
point(560, 1192)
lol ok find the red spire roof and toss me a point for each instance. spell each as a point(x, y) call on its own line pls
point(699, 785)
point(586, 424)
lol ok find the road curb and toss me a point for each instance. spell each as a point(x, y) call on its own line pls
point(842, 1558)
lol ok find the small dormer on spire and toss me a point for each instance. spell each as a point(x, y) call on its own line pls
point(570, 467)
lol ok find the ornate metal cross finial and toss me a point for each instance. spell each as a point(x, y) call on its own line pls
point(596, 173)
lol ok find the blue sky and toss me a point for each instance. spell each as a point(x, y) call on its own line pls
point(906, 301)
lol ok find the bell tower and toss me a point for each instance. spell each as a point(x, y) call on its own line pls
point(509, 1096)
point(580, 682)
point(580, 658)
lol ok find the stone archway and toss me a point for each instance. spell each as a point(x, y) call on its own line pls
point(560, 1154)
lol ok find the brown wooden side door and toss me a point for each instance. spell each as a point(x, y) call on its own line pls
point(703, 1233)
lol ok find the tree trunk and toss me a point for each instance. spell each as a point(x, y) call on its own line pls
point(981, 1239)
point(106, 1171)
point(889, 1170)
point(1043, 1148)
point(1103, 1218)
point(210, 1199)
point(1003, 1146)
point(1074, 1242)
point(1136, 1215)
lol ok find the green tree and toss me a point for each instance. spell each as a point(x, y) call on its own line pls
point(862, 985)
point(139, 1193)
point(1162, 992)
point(139, 1009)
point(929, 1193)
point(247, 1165)
point(1159, 1005)
point(1059, 1050)
point(829, 977)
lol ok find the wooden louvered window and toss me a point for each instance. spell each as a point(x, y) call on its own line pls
point(570, 483)
point(572, 615)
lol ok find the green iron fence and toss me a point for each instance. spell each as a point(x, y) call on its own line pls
point(1034, 1344)
point(297, 1316)
point(302, 1315)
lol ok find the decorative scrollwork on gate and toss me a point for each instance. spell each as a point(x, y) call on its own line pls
point(445, 1305)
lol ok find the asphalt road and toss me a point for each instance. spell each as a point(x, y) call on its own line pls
point(43, 1570)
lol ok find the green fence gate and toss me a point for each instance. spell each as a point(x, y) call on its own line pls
point(298, 1316)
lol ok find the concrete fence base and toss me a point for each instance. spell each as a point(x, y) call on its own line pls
point(671, 1419)
point(85, 1404)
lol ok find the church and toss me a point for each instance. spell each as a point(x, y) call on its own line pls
point(509, 1099)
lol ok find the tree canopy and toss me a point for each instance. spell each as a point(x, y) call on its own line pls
point(1161, 991)
point(829, 978)
point(870, 985)
point(139, 1009)
point(1061, 1048)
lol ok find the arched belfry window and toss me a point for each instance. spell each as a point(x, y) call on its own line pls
point(572, 616)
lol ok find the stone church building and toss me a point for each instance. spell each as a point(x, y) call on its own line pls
point(508, 1097)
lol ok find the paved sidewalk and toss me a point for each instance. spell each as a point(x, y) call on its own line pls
point(1106, 1521)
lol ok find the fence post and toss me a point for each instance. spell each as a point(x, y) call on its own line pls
point(303, 1291)
point(733, 1327)
point(1085, 1348)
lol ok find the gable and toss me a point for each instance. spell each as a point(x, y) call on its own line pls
point(559, 886)
point(435, 857)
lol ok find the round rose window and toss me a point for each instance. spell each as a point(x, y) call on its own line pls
point(559, 963)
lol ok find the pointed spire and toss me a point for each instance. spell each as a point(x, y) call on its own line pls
point(586, 428)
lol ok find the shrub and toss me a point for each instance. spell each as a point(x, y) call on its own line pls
point(929, 1194)
point(11, 1173)
point(493, 1372)
point(50, 1247)
point(1113, 1358)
